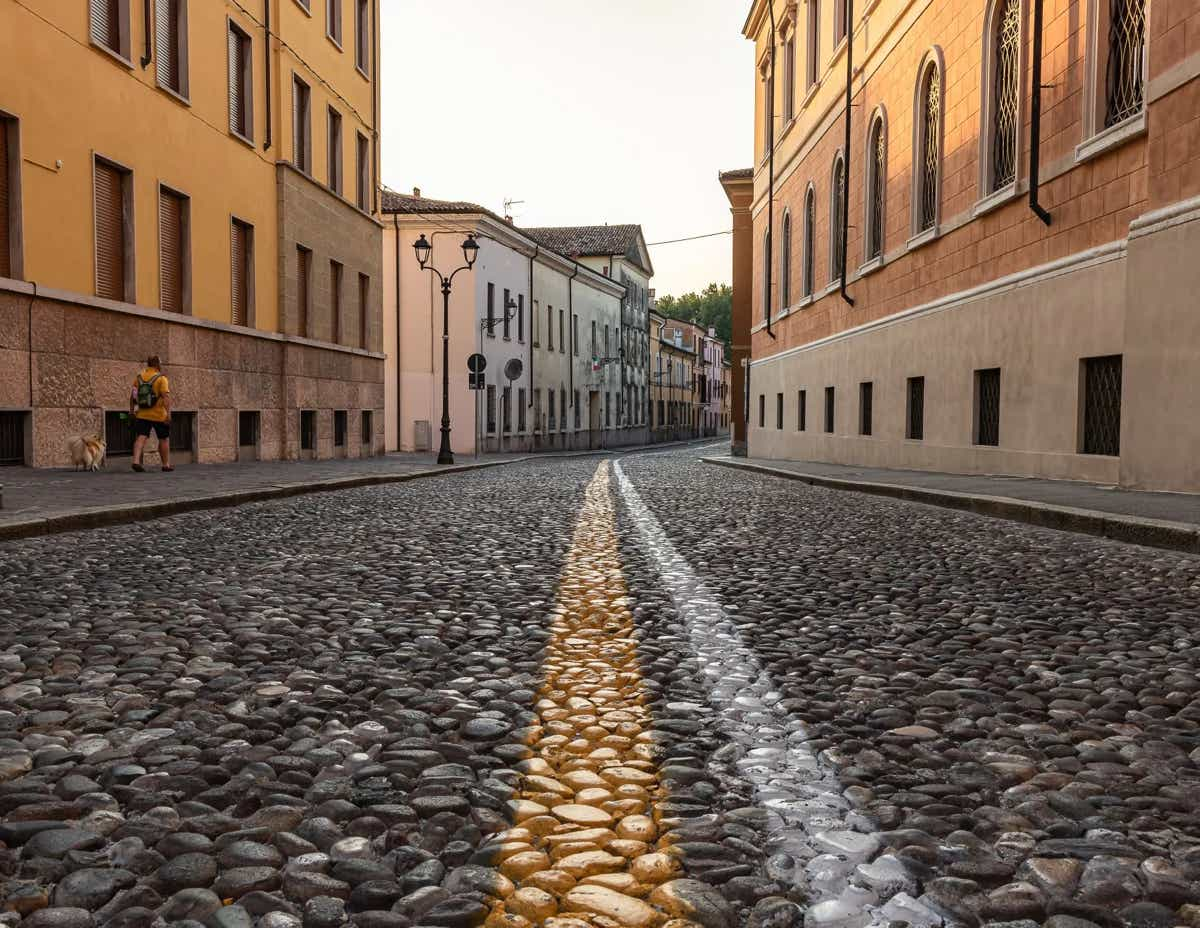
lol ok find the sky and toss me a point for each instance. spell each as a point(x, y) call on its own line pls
point(615, 111)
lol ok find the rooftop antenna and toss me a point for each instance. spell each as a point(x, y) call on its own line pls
point(508, 205)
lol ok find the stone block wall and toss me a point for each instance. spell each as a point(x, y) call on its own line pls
point(84, 353)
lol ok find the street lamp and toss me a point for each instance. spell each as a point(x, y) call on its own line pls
point(424, 252)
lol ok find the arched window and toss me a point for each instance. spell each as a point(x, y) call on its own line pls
point(785, 263)
point(837, 216)
point(876, 179)
point(1004, 84)
point(767, 274)
point(927, 129)
point(810, 223)
point(1124, 73)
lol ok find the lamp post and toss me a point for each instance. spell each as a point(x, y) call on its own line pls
point(424, 251)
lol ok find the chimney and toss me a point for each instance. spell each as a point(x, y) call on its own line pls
point(416, 191)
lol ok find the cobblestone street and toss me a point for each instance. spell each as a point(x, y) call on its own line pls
point(634, 691)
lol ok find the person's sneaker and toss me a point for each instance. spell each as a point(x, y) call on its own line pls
point(139, 468)
point(167, 468)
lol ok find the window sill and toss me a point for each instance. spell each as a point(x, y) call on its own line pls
point(923, 238)
point(1112, 137)
point(810, 93)
point(832, 287)
point(171, 92)
point(873, 264)
point(334, 42)
point(362, 72)
point(995, 200)
point(113, 54)
point(307, 7)
point(241, 138)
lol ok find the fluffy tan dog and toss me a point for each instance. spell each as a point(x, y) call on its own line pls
point(87, 451)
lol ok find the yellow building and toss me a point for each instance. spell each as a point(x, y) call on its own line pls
point(194, 179)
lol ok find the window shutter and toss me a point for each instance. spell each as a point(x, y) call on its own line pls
point(110, 234)
point(166, 29)
point(237, 108)
point(302, 291)
point(239, 296)
point(5, 245)
point(106, 23)
point(170, 251)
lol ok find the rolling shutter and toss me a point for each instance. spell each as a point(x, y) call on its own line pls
point(170, 251)
point(5, 266)
point(106, 23)
point(239, 290)
point(166, 28)
point(110, 233)
point(237, 96)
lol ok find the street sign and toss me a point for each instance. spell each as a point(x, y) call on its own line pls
point(476, 381)
point(477, 363)
point(513, 368)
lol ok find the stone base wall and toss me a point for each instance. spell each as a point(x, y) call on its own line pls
point(1134, 298)
point(67, 359)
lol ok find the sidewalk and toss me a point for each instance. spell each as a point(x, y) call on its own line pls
point(45, 501)
point(1164, 520)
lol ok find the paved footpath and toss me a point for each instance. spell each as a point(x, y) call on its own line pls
point(1168, 520)
point(629, 692)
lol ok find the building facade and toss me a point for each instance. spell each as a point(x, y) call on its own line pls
point(710, 365)
point(674, 410)
point(739, 189)
point(197, 181)
point(521, 302)
point(618, 252)
point(981, 264)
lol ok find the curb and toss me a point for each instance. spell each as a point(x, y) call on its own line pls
point(141, 512)
point(1154, 533)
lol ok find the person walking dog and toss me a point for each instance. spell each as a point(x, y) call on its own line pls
point(150, 403)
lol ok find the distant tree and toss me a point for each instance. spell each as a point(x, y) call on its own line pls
point(712, 306)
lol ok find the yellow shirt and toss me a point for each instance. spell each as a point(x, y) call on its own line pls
point(157, 412)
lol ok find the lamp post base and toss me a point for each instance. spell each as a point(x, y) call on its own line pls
point(445, 455)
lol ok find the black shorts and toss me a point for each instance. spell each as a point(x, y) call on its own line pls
point(142, 427)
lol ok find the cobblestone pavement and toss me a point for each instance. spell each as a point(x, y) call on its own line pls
point(630, 692)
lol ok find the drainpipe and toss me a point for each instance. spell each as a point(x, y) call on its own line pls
point(770, 130)
point(267, 74)
point(532, 322)
point(146, 18)
point(374, 106)
point(399, 392)
point(1035, 120)
point(571, 333)
point(846, 156)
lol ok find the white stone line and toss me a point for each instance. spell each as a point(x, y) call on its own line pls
point(808, 818)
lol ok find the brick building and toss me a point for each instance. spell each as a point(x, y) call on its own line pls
point(197, 181)
point(1019, 288)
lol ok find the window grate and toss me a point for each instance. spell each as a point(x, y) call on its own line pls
point(1004, 117)
point(183, 432)
point(308, 430)
point(247, 429)
point(1126, 42)
point(865, 403)
point(987, 406)
point(829, 410)
point(12, 438)
point(878, 174)
point(839, 219)
point(929, 156)
point(916, 409)
point(1102, 406)
point(339, 428)
point(365, 427)
point(802, 411)
point(118, 434)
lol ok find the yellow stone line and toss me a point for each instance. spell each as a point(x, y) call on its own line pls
point(585, 851)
